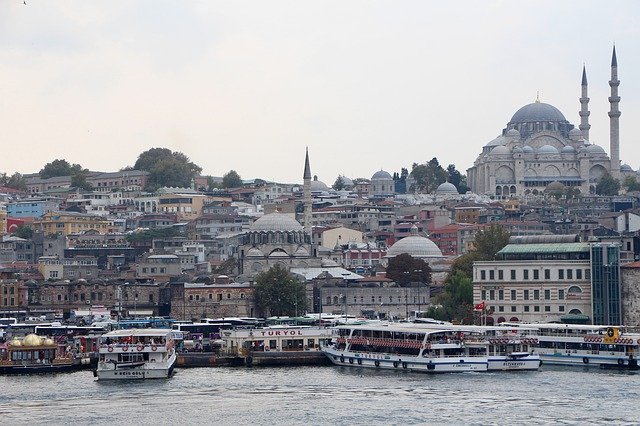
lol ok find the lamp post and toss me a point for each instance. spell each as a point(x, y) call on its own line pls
point(419, 272)
point(344, 278)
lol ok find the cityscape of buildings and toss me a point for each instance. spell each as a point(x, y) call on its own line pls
point(572, 256)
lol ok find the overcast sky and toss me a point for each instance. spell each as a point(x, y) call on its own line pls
point(247, 85)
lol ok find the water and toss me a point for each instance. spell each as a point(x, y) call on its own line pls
point(326, 396)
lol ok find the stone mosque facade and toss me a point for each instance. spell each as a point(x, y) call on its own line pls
point(539, 146)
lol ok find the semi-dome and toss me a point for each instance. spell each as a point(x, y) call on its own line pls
point(415, 246)
point(517, 149)
point(575, 133)
point(547, 149)
point(446, 188)
point(513, 133)
point(346, 181)
point(276, 222)
point(500, 150)
point(500, 140)
point(537, 112)
point(381, 174)
point(527, 149)
point(568, 149)
point(555, 186)
point(255, 252)
point(626, 168)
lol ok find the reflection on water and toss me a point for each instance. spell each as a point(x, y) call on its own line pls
point(326, 395)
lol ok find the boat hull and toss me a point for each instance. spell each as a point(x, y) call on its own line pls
point(530, 363)
point(589, 360)
point(39, 369)
point(136, 373)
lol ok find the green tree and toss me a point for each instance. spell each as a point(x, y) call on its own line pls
point(607, 185)
point(231, 179)
point(15, 181)
point(212, 184)
point(278, 293)
point(428, 176)
point(59, 168)
point(23, 231)
point(457, 179)
point(338, 184)
point(166, 168)
point(79, 180)
point(456, 300)
point(405, 269)
point(630, 183)
point(488, 242)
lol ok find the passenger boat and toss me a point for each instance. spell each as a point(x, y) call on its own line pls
point(430, 348)
point(278, 344)
point(136, 354)
point(586, 345)
point(35, 355)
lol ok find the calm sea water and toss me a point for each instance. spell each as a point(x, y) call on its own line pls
point(326, 395)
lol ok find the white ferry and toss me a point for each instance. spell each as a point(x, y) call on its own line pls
point(587, 345)
point(144, 353)
point(430, 348)
point(278, 344)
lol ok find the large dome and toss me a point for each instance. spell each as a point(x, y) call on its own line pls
point(415, 246)
point(446, 188)
point(381, 174)
point(276, 222)
point(537, 111)
point(318, 185)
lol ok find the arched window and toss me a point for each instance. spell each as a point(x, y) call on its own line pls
point(574, 289)
point(513, 319)
point(575, 312)
point(328, 300)
point(501, 320)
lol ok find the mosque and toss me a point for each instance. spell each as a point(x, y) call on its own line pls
point(539, 147)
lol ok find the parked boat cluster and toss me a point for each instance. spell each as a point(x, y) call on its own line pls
point(155, 347)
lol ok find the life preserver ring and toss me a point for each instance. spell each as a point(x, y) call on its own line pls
point(154, 348)
point(585, 360)
point(395, 364)
point(341, 358)
point(350, 360)
point(377, 363)
point(359, 361)
point(620, 361)
point(110, 349)
point(125, 348)
point(140, 348)
point(586, 338)
point(404, 365)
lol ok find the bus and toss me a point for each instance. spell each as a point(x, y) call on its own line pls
point(67, 334)
point(145, 323)
point(201, 335)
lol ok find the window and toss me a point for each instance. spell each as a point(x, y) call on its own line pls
point(561, 294)
point(547, 308)
point(526, 274)
point(513, 274)
point(561, 274)
point(483, 275)
point(547, 274)
point(526, 294)
point(569, 274)
point(197, 297)
point(526, 308)
point(492, 275)
point(578, 274)
point(513, 309)
point(536, 308)
point(561, 308)
point(492, 294)
point(500, 308)
point(513, 295)
point(536, 274)
point(500, 294)
point(547, 295)
point(501, 274)
point(587, 274)
point(536, 294)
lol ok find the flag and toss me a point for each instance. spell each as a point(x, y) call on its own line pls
point(479, 306)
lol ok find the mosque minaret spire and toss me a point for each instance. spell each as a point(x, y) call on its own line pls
point(306, 192)
point(584, 106)
point(614, 117)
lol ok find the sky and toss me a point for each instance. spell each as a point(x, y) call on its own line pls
point(248, 85)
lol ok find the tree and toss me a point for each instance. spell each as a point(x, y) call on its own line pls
point(488, 242)
point(212, 184)
point(405, 269)
point(23, 231)
point(607, 185)
point(338, 185)
point(59, 168)
point(428, 176)
point(231, 179)
point(166, 168)
point(79, 180)
point(457, 179)
point(456, 300)
point(15, 181)
point(278, 293)
point(631, 184)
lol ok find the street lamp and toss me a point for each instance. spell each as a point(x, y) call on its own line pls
point(344, 278)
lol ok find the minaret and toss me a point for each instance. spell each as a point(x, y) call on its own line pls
point(614, 118)
point(584, 107)
point(306, 193)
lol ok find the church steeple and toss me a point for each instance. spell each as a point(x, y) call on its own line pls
point(614, 118)
point(584, 106)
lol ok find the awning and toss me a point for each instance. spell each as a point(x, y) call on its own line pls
point(575, 318)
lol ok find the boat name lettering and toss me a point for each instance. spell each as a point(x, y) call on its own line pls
point(282, 333)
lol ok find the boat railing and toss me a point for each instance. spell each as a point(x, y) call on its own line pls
point(140, 347)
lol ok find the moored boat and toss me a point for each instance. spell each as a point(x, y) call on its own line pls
point(603, 346)
point(136, 354)
point(429, 348)
point(35, 355)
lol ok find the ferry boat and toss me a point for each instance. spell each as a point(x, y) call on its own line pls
point(586, 345)
point(35, 355)
point(136, 354)
point(278, 344)
point(431, 348)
